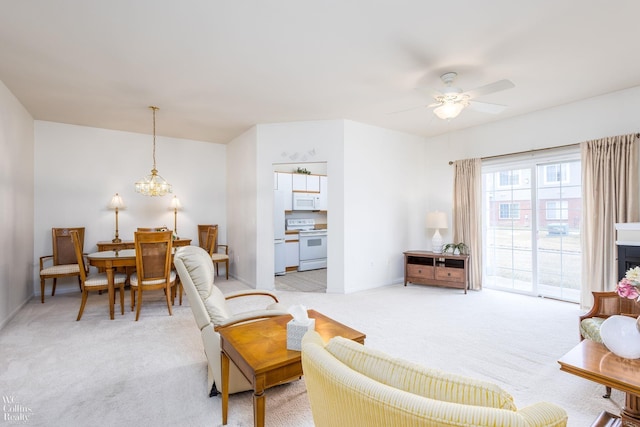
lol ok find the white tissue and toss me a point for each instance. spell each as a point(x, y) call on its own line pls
point(300, 315)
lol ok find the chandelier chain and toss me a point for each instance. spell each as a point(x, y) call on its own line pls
point(154, 135)
point(154, 184)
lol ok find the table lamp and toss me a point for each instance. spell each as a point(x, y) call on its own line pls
point(437, 220)
point(116, 203)
point(175, 205)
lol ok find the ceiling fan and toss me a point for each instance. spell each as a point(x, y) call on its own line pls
point(450, 101)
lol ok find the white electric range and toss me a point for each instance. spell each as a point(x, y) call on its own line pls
point(313, 243)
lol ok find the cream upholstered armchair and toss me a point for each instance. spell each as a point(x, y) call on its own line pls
point(349, 384)
point(211, 312)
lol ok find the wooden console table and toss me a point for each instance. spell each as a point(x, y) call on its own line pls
point(429, 268)
point(129, 244)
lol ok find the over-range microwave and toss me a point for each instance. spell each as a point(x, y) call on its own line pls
point(306, 201)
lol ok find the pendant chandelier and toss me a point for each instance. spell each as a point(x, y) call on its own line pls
point(154, 184)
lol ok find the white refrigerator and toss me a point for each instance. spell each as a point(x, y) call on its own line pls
point(279, 251)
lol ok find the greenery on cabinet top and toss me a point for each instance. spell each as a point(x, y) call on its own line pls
point(317, 168)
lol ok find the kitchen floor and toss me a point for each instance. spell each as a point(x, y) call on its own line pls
point(303, 281)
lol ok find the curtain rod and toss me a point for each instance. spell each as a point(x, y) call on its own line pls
point(532, 151)
point(526, 152)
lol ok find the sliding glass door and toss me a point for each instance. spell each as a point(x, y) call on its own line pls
point(531, 226)
point(508, 229)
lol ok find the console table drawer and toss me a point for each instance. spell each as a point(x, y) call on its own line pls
point(420, 271)
point(450, 274)
point(429, 268)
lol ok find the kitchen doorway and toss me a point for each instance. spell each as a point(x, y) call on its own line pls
point(294, 222)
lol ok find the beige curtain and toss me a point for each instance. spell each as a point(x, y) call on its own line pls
point(610, 195)
point(467, 219)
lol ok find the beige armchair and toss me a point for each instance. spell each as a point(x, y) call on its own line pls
point(349, 384)
point(211, 312)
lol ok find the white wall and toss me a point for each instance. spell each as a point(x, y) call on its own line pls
point(385, 204)
point(607, 115)
point(16, 204)
point(78, 169)
point(241, 210)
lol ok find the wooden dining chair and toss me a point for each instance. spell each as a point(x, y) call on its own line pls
point(203, 232)
point(94, 281)
point(153, 267)
point(214, 250)
point(63, 262)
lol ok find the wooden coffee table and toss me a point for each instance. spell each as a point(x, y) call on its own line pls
point(259, 350)
point(592, 360)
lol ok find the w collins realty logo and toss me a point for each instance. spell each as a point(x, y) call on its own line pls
point(13, 411)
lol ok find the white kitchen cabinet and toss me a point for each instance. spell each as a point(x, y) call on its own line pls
point(309, 183)
point(313, 183)
point(292, 251)
point(299, 182)
point(324, 195)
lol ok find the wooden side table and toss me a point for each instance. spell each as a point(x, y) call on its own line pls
point(592, 360)
point(259, 350)
point(430, 268)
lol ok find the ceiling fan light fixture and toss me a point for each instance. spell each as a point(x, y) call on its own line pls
point(449, 110)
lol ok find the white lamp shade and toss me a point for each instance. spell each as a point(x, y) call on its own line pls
point(175, 203)
point(620, 335)
point(116, 202)
point(449, 110)
point(437, 220)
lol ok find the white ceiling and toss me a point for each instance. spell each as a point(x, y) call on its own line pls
point(216, 67)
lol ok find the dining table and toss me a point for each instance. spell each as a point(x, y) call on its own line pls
point(109, 261)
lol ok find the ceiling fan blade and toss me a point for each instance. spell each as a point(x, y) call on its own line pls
point(490, 88)
point(485, 107)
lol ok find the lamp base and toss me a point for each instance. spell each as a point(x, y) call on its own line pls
point(116, 240)
point(436, 243)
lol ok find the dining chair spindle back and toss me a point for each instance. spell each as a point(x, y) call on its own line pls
point(94, 281)
point(153, 267)
point(63, 262)
point(214, 251)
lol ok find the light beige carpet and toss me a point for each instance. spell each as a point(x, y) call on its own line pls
point(153, 372)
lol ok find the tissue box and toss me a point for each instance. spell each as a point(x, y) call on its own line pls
point(295, 332)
